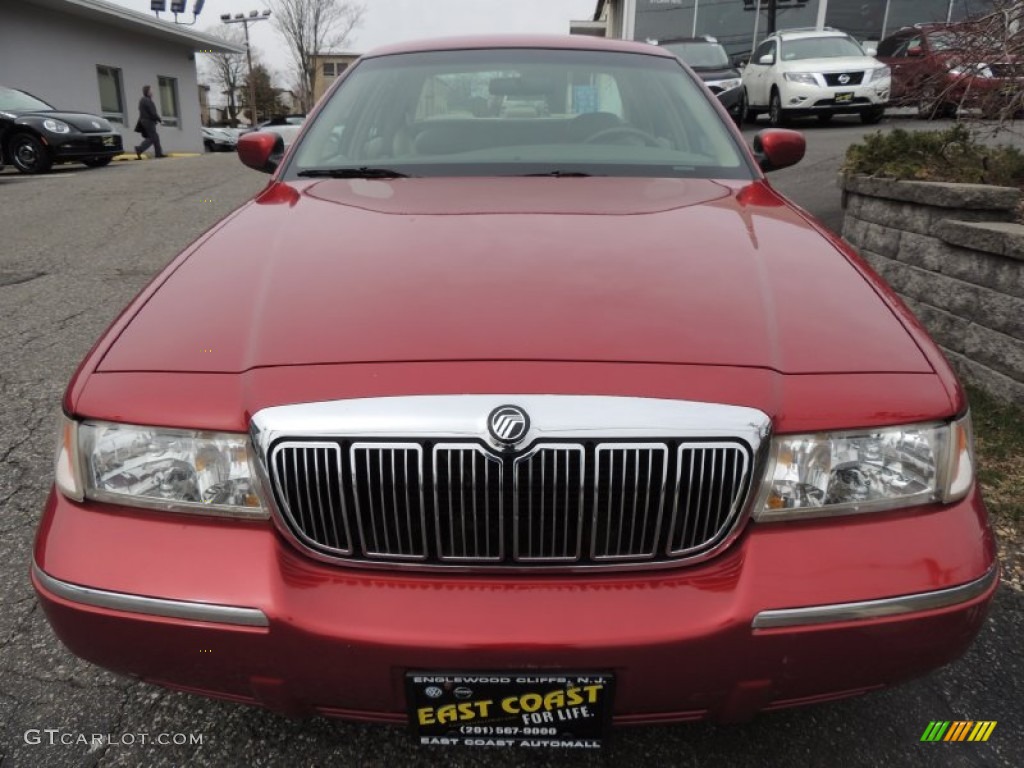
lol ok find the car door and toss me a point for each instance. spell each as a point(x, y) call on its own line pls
point(913, 65)
point(760, 74)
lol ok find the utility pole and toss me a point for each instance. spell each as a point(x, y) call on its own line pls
point(772, 13)
point(252, 18)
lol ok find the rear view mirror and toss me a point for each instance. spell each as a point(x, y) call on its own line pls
point(778, 148)
point(261, 150)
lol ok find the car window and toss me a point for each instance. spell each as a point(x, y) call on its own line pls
point(890, 45)
point(521, 111)
point(764, 49)
point(820, 48)
point(913, 44)
point(19, 101)
point(700, 54)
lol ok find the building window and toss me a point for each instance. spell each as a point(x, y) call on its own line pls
point(111, 94)
point(169, 112)
point(328, 69)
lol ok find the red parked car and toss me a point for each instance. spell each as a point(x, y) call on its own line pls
point(517, 405)
point(940, 67)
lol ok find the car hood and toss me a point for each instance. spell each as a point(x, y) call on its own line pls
point(710, 74)
point(84, 122)
point(831, 64)
point(571, 269)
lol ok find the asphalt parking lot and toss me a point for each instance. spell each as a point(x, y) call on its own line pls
point(76, 246)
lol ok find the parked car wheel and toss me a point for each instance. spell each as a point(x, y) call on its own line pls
point(97, 162)
point(872, 116)
point(28, 154)
point(776, 114)
point(208, 145)
point(747, 113)
point(931, 105)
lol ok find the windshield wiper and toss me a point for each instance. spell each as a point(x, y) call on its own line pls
point(559, 174)
point(355, 173)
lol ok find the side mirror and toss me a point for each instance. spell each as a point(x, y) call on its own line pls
point(768, 59)
point(777, 148)
point(915, 52)
point(261, 150)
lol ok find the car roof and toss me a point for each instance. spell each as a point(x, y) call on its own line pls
point(557, 42)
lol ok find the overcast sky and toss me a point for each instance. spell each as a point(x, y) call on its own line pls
point(389, 21)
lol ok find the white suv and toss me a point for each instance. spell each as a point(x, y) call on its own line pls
point(819, 72)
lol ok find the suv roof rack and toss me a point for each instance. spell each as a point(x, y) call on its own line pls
point(806, 29)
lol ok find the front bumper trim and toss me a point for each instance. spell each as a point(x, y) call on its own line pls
point(874, 609)
point(174, 609)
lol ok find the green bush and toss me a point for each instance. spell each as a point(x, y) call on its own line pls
point(953, 154)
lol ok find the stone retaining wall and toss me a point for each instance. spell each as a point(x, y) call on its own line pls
point(951, 252)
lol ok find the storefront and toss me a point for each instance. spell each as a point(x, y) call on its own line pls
point(740, 24)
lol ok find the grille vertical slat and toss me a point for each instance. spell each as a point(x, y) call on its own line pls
point(375, 475)
point(317, 513)
point(541, 510)
point(709, 495)
point(621, 468)
point(468, 514)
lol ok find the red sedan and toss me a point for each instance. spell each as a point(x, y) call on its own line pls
point(516, 405)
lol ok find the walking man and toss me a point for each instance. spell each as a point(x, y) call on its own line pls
point(148, 119)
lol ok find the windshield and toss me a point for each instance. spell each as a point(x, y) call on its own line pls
point(19, 101)
point(700, 54)
point(820, 48)
point(519, 112)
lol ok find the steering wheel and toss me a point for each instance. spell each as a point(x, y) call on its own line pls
point(624, 131)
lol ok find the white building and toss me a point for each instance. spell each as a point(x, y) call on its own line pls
point(92, 56)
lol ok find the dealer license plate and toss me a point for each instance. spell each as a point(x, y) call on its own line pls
point(844, 98)
point(509, 709)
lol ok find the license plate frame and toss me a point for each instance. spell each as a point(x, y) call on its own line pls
point(844, 97)
point(570, 710)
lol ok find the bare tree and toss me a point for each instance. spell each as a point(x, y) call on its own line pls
point(228, 70)
point(974, 68)
point(310, 27)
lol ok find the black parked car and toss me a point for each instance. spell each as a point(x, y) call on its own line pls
point(711, 64)
point(34, 135)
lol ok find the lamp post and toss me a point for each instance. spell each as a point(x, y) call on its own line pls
point(245, 21)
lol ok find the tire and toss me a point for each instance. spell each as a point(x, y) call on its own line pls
point(747, 114)
point(825, 117)
point(872, 116)
point(208, 145)
point(28, 154)
point(776, 114)
point(97, 162)
point(930, 105)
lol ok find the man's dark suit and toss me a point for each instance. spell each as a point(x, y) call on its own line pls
point(149, 118)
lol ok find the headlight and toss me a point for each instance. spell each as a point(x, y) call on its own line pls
point(879, 73)
point(726, 85)
point(801, 77)
point(867, 470)
point(975, 70)
point(56, 126)
point(169, 469)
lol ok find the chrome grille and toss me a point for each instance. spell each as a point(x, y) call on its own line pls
point(572, 503)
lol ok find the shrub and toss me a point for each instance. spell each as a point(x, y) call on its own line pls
point(954, 154)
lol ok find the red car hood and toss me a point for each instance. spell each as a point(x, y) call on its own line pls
point(572, 269)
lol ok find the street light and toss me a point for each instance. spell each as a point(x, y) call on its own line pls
point(245, 21)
